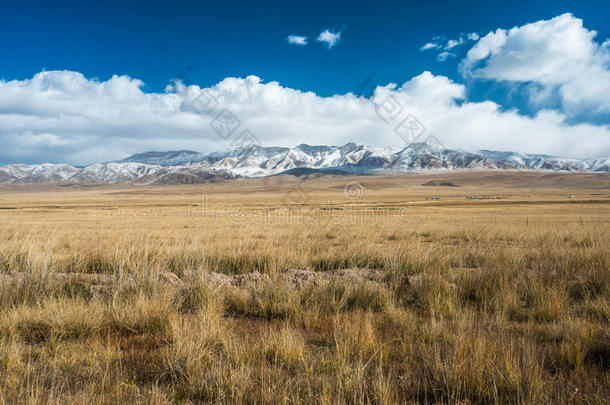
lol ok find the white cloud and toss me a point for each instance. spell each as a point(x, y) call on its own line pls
point(443, 56)
point(297, 40)
point(62, 116)
point(452, 43)
point(330, 38)
point(559, 55)
point(428, 46)
point(442, 106)
point(444, 45)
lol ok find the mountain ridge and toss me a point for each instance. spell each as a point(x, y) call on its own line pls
point(187, 166)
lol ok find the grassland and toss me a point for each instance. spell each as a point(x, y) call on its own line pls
point(284, 291)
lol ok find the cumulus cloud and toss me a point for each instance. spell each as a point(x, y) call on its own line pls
point(559, 55)
point(441, 104)
point(62, 116)
point(452, 43)
point(443, 56)
point(297, 40)
point(428, 46)
point(329, 38)
point(444, 45)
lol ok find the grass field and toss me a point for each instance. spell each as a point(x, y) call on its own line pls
point(331, 290)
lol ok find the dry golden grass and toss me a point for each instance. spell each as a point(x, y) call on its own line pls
point(141, 295)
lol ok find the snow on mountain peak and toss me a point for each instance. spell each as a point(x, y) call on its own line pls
point(257, 161)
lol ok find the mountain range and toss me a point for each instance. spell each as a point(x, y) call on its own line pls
point(188, 167)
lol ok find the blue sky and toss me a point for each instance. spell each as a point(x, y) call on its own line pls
point(204, 43)
point(158, 40)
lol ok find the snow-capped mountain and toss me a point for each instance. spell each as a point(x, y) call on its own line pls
point(423, 156)
point(546, 162)
point(255, 161)
point(46, 172)
point(173, 158)
point(534, 161)
point(108, 173)
point(113, 172)
point(598, 165)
